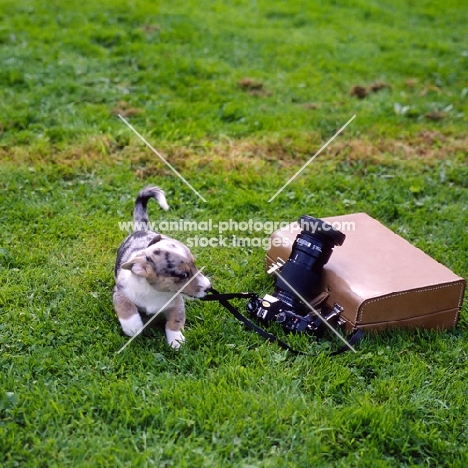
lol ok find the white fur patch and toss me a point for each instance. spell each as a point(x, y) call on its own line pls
point(161, 198)
point(140, 292)
point(174, 338)
point(204, 283)
point(132, 325)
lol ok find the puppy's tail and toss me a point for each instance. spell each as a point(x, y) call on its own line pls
point(140, 214)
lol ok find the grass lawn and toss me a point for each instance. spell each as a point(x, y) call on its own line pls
point(237, 95)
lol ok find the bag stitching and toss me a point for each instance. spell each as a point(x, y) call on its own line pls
point(360, 311)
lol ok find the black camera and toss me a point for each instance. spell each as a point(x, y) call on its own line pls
point(298, 283)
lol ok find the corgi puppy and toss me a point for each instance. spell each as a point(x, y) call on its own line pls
point(153, 274)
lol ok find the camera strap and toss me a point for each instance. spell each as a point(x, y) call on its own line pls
point(223, 299)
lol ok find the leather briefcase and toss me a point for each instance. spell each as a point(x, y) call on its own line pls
point(380, 279)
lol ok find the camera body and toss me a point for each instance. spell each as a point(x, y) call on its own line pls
point(298, 282)
point(271, 308)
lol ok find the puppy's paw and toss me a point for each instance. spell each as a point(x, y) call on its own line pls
point(131, 326)
point(174, 338)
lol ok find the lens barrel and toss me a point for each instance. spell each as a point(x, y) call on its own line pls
point(301, 274)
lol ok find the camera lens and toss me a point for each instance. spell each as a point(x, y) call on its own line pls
point(300, 275)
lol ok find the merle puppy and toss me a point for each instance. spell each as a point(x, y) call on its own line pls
point(149, 270)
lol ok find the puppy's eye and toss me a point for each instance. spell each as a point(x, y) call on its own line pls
point(181, 276)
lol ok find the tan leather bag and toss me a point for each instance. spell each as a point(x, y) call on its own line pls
point(380, 279)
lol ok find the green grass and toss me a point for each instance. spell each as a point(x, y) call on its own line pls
point(69, 173)
point(67, 66)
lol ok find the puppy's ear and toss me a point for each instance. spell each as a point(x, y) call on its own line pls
point(138, 265)
point(156, 239)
